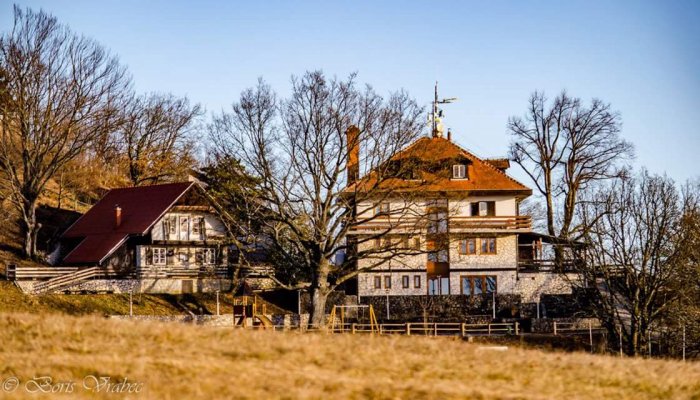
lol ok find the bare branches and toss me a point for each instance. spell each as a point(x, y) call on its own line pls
point(62, 91)
point(564, 149)
point(156, 139)
point(636, 252)
point(298, 149)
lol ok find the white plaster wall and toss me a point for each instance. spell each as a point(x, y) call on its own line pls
point(213, 226)
point(505, 205)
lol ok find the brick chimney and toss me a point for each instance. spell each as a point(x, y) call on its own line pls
point(449, 134)
point(353, 167)
point(117, 215)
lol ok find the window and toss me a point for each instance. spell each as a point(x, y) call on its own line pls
point(437, 222)
point(377, 243)
point(416, 243)
point(382, 209)
point(473, 285)
point(438, 255)
point(405, 282)
point(387, 282)
point(159, 256)
point(438, 285)
point(488, 246)
point(184, 228)
point(483, 209)
point(404, 242)
point(197, 223)
point(386, 243)
point(205, 256)
point(467, 246)
point(416, 281)
point(210, 256)
point(459, 171)
point(377, 282)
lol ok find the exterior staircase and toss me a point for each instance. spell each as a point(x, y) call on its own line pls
point(68, 279)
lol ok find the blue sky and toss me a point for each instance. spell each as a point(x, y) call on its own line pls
point(643, 57)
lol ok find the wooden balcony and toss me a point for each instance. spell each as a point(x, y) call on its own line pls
point(549, 265)
point(456, 224)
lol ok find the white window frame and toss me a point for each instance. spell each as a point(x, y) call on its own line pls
point(159, 256)
point(383, 208)
point(184, 235)
point(459, 171)
point(209, 256)
point(483, 208)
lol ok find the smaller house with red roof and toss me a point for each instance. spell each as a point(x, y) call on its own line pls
point(150, 239)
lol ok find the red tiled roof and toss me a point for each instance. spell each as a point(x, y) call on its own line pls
point(483, 175)
point(141, 208)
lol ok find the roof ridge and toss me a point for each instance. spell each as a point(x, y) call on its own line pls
point(462, 148)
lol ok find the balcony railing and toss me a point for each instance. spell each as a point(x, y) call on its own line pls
point(456, 224)
point(549, 265)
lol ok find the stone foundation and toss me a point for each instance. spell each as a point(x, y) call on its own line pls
point(448, 308)
point(166, 286)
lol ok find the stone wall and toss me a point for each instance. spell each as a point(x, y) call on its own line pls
point(531, 286)
point(449, 308)
point(169, 286)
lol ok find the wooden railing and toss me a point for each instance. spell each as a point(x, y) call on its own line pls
point(15, 272)
point(68, 279)
point(410, 224)
point(197, 271)
point(418, 328)
point(550, 265)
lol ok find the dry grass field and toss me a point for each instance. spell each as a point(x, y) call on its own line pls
point(174, 361)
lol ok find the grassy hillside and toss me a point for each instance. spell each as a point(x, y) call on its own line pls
point(183, 361)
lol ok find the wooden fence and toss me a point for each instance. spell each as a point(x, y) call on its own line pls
point(410, 328)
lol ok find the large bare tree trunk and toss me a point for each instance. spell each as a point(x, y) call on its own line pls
point(30, 228)
point(319, 296)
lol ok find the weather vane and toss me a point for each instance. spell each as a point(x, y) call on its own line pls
point(437, 114)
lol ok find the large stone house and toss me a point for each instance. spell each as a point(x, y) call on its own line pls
point(156, 239)
point(474, 241)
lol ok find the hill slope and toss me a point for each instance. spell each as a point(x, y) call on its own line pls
point(183, 361)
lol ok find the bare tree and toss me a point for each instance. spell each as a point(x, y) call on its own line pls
point(564, 148)
point(62, 91)
point(302, 150)
point(157, 139)
point(638, 249)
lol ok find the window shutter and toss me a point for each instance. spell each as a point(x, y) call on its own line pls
point(149, 256)
point(483, 208)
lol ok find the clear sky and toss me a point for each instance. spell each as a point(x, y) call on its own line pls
point(643, 57)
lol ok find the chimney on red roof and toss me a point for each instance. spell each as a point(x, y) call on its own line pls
point(449, 134)
point(117, 215)
point(353, 166)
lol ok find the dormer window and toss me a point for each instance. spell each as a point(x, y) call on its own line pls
point(459, 171)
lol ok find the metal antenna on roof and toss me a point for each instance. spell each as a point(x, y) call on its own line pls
point(437, 114)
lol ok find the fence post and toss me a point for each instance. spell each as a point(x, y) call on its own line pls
point(436, 330)
point(381, 329)
point(464, 329)
point(489, 329)
point(517, 330)
point(353, 328)
point(131, 303)
point(408, 329)
point(684, 342)
point(590, 335)
point(555, 328)
point(619, 329)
